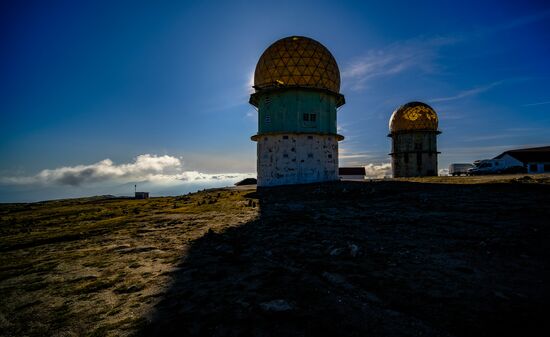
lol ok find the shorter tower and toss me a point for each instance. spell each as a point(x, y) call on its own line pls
point(413, 130)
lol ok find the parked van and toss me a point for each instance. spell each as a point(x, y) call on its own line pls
point(487, 166)
point(459, 169)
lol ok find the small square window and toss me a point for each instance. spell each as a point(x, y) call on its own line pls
point(309, 137)
point(310, 155)
point(285, 137)
point(330, 156)
point(285, 155)
point(306, 117)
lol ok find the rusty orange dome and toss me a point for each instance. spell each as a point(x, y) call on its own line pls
point(297, 61)
point(414, 116)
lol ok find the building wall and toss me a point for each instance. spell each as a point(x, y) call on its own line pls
point(510, 161)
point(290, 158)
point(538, 167)
point(414, 154)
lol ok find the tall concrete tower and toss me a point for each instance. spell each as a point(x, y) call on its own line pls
point(297, 84)
point(413, 130)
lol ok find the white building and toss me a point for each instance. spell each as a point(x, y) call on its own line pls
point(535, 159)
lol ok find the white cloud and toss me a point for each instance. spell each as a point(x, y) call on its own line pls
point(538, 103)
point(161, 170)
point(511, 24)
point(377, 171)
point(467, 93)
point(349, 158)
point(415, 54)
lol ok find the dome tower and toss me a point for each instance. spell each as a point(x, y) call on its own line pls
point(413, 130)
point(297, 84)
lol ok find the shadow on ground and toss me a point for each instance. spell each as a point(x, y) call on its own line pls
point(380, 259)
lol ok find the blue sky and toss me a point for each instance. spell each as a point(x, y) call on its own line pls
point(161, 89)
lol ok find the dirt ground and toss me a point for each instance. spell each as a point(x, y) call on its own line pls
point(442, 256)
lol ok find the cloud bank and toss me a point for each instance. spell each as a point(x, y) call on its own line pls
point(161, 170)
point(378, 171)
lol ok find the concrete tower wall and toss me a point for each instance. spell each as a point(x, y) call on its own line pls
point(283, 111)
point(290, 158)
point(414, 154)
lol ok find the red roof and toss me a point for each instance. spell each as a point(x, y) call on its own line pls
point(530, 155)
point(351, 171)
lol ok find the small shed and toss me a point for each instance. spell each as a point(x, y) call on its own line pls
point(351, 173)
point(141, 195)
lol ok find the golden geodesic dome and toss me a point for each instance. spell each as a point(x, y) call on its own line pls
point(414, 116)
point(297, 61)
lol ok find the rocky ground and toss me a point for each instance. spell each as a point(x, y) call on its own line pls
point(433, 257)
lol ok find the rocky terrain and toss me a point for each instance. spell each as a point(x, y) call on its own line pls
point(438, 256)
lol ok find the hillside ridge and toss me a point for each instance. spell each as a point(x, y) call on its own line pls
point(438, 256)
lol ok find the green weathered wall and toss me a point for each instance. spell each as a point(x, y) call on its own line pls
point(285, 110)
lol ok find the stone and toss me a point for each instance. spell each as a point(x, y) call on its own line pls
point(278, 305)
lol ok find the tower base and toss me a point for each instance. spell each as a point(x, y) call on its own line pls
point(414, 154)
point(285, 159)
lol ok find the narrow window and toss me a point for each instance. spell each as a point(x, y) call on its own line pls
point(406, 157)
point(330, 156)
point(306, 117)
point(419, 158)
point(268, 119)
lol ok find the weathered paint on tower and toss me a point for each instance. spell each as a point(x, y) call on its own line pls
point(413, 129)
point(297, 85)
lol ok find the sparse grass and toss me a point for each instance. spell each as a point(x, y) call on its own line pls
point(483, 179)
point(94, 266)
point(98, 266)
